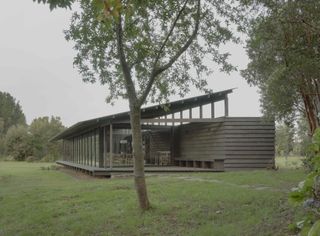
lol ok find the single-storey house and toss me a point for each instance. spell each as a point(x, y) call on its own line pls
point(173, 135)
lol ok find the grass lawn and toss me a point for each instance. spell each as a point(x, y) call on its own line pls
point(52, 202)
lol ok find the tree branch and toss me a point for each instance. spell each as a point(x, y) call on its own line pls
point(156, 71)
point(169, 34)
point(123, 62)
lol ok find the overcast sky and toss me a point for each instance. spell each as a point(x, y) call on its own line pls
point(36, 68)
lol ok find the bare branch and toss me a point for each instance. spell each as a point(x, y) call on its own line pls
point(156, 71)
point(123, 62)
point(185, 46)
point(169, 34)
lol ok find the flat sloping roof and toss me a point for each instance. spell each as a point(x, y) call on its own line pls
point(147, 112)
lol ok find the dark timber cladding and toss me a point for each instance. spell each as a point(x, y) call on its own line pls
point(242, 143)
point(174, 135)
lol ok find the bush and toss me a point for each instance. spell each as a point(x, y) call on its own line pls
point(308, 191)
point(7, 158)
point(18, 143)
point(49, 158)
point(31, 159)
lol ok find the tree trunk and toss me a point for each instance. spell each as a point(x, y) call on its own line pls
point(310, 113)
point(139, 178)
point(311, 109)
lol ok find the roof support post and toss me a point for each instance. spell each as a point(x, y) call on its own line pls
point(63, 151)
point(200, 112)
point(111, 146)
point(226, 106)
point(104, 147)
point(181, 116)
point(73, 150)
point(173, 119)
point(95, 147)
point(87, 149)
point(212, 110)
point(172, 147)
point(81, 143)
point(100, 147)
point(83, 151)
point(77, 150)
point(91, 148)
point(190, 113)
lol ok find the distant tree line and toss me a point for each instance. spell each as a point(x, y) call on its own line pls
point(293, 140)
point(20, 141)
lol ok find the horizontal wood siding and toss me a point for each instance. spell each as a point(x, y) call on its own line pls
point(249, 144)
point(203, 141)
point(244, 143)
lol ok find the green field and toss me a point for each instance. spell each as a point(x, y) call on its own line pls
point(34, 201)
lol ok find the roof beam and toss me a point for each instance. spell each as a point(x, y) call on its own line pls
point(177, 120)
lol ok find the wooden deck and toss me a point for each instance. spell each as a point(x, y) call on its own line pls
point(107, 172)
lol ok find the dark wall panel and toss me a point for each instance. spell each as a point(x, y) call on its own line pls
point(246, 142)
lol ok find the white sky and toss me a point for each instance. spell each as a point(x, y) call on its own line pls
point(36, 68)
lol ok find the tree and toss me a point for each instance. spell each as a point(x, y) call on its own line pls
point(41, 130)
point(148, 50)
point(284, 139)
point(18, 142)
point(10, 114)
point(283, 47)
point(303, 136)
point(57, 3)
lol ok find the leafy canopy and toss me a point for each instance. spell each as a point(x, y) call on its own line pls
point(57, 3)
point(18, 142)
point(154, 40)
point(10, 113)
point(283, 47)
point(284, 139)
point(42, 129)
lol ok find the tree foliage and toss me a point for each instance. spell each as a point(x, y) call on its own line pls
point(308, 191)
point(18, 142)
point(283, 47)
point(41, 130)
point(163, 44)
point(284, 139)
point(304, 138)
point(57, 3)
point(10, 112)
point(22, 141)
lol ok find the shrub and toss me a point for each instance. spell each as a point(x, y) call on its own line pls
point(49, 158)
point(18, 143)
point(7, 158)
point(308, 191)
point(31, 159)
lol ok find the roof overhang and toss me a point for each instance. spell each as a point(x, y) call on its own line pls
point(146, 113)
